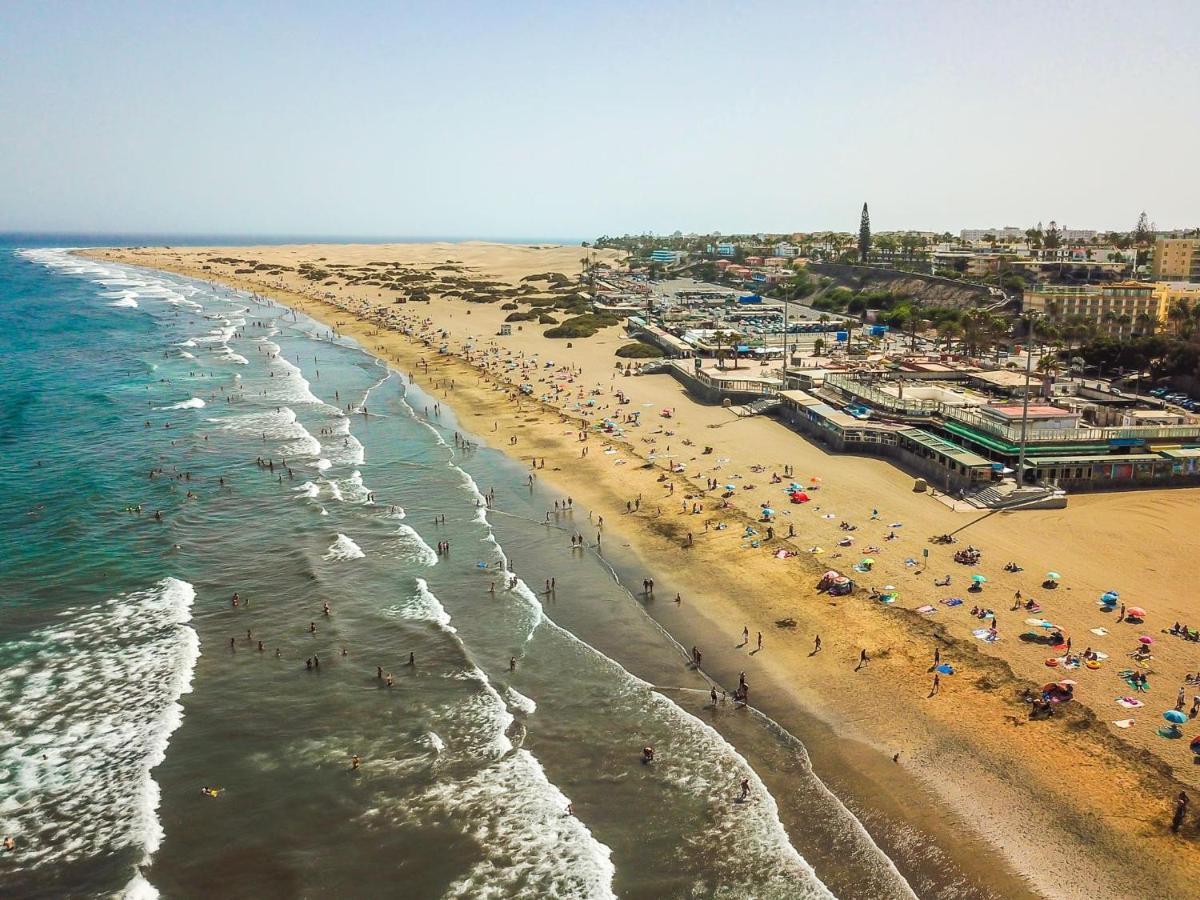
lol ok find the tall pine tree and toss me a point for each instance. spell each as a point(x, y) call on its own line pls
point(864, 235)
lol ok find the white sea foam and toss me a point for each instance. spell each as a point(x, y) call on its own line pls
point(309, 490)
point(193, 403)
point(290, 438)
point(421, 606)
point(88, 706)
point(186, 355)
point(413, 545)
point(519, 702)
point(343, 548)
point(125, 302)
point(435, 742)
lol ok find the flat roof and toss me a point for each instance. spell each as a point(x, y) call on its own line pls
point(1016, 411)
point(1006, 378)
point(944, 447)
point(1089, 460)
point(1182, 453)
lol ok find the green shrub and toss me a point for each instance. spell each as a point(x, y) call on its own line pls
point(581, 326)
point(639, 350)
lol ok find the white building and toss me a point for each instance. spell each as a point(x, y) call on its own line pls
point(1007, 233)
point(786, 250)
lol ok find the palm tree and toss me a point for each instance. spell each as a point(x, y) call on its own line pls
point(950, 331)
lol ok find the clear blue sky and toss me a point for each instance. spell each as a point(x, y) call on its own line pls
point(573, 119)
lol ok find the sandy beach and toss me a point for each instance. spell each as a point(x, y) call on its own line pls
point(1071, 806)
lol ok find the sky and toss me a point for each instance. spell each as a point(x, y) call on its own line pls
point(574, 119)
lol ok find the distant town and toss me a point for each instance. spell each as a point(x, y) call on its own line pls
point(1007, 364)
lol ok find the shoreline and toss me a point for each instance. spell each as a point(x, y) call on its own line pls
point(949, 754)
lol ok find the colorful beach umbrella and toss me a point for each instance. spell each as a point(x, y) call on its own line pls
point(978, 579)
point(1175, 717)
point(1136, 611)
point(1053, 576)
point(1146, 639)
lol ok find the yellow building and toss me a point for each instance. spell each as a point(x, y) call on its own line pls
point(1181, 295)
point(1123, 308)
point(1176, 259)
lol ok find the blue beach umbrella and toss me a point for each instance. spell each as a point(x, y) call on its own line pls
point(978, 579)
point(1109, 597)
point(946, 669)
point(1175, 717)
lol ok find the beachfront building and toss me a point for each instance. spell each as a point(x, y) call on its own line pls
point(786, 250)
point(666, 257)
point(726, 249)
point(947, 465)
point(1123, 309)
point(1176, 259)
point(1006, 234)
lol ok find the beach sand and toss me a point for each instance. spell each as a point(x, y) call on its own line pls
point(1074, 805)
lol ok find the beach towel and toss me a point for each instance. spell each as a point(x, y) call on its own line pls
point(985, 635)
point(1130, 702)
point(1123, 723)
point(1100, 631)
point(911, 562)
point(926, 609)
point(952, 601)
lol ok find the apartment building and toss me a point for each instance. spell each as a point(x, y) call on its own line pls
point(1176, 259)
point(1123, 309)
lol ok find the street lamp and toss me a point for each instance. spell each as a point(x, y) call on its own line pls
point(1025, 404)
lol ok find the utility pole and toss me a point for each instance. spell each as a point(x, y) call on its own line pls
point(1025, 405)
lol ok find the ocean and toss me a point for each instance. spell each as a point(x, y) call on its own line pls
point(167, 444)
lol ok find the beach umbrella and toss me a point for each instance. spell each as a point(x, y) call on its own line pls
point(730, 487)
point(841, 579)
point(889, 587)
point(1136, 611)
point(1067, 682)
point(1175, 717)
point(945, 669)
point(869, 560)
point(1053, 576)
point(767, 511)
point(1146, 639)
point(832, 573)
point(1109, 597)
point(978, 579)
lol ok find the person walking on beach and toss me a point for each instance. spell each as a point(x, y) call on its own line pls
point(937, 684)
point(1181, 805)
point(745, 786)
point(745, 634)
point(760, 640)
point(817, 644)
point(863, 659)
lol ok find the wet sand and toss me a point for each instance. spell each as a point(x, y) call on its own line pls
point(1070, 795)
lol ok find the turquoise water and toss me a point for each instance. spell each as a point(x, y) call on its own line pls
point(167, 443)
